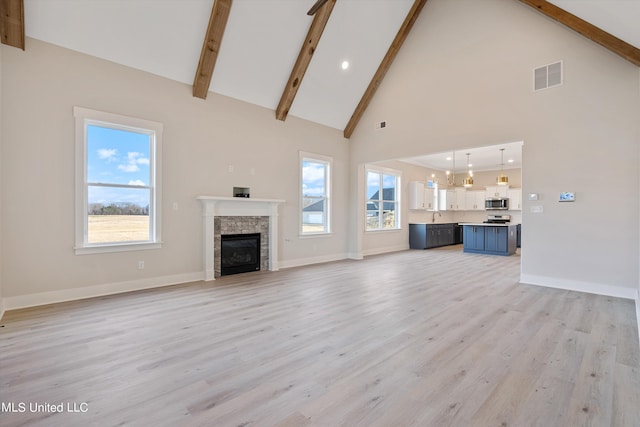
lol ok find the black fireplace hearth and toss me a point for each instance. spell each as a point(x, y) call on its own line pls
point(239, 253)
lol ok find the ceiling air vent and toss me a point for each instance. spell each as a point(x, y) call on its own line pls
point(547, 76)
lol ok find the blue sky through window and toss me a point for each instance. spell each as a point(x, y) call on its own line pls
point(313, 179)
point(118, 157)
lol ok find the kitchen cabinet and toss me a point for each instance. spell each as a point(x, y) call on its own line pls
point(499, 191)
point(447, 200)
point(490, 239)
point(421, 197)
point(416, 195)
point(474, 200)
point(426, 236)
point(473, 237)
point(430, 199)
point(452, 200)
point(515, 199)
point(495, 239)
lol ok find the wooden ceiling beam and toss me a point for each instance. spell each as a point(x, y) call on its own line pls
point(307, 50)
point(611, 42)
point(403, 32)
point(211, 47)
point(12, 23)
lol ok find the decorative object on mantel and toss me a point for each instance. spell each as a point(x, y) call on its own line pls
point(502, 179)
point(217, 206)
point(241, 192)
point(468, 181)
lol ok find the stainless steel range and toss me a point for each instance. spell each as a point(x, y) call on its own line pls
point(498, 219)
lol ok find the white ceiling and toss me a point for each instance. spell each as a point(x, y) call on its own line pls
point(261, 43)
point(481, 159)
point(259, 48)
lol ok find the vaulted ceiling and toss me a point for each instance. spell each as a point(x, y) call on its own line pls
point(257, 54)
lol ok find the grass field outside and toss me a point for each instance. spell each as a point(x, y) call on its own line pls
point(117, 228)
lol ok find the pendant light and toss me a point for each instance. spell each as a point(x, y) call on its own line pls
point(502, 179)
point(468, 181)
point(451, 178)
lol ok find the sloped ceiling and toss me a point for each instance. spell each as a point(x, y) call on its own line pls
point(261, 43)
point(259, 49)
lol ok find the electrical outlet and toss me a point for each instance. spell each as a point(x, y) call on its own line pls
point(140, 265)
point(175, 206)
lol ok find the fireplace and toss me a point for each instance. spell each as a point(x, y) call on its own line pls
point(239, 215)
point(239, 253)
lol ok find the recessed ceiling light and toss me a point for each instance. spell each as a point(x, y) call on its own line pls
point(510, 160)
point(345, 65)
point(449, 158)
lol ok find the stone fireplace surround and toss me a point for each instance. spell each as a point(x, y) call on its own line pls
point(241, 225)
point(237, 215)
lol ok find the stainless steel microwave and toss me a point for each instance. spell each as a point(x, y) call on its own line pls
point(495, 204)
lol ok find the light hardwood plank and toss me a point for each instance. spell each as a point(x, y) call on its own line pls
point(411, 338)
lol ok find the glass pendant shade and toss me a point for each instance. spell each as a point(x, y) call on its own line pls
point(468, 181)
point(502, 179)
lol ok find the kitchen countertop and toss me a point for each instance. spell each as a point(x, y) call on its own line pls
point(485, 224)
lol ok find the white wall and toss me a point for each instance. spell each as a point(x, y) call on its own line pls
point(464, 79)
point(201, 139)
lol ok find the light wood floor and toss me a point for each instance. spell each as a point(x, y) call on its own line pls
point(414, 338)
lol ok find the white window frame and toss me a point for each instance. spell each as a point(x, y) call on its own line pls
point(328, 161)
point(85, 117)
point(383, 171)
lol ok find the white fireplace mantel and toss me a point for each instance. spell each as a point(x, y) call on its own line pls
point(237, 206)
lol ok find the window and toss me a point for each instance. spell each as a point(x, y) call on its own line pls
point(117, 182)
point(382, 199)
point(315, 183)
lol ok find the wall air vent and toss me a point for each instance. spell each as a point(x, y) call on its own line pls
point(547, 76)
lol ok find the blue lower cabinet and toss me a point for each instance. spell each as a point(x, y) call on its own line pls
point(473, 238)
point(491, 240)
point(495, 239)
point(426, 236)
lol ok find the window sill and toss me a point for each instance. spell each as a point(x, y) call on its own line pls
point(118, 247)
point(385, 230)
point(315, 235)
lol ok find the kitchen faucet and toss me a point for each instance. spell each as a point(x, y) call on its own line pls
point(433, 217)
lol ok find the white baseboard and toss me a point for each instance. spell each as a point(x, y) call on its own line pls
point(355, 255)
point(313, 260)
point(387, 249)
point(32, 300)
point(573, 285)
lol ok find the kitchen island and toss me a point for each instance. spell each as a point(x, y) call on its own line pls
point(490, 239)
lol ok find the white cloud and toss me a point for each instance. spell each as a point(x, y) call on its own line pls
point(109, 154)
point(129, 167)
point(133, 160)
point(136, 182)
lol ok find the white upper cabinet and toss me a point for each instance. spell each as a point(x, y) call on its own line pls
point(452, 199)
point(475, 200)
point(416, 195)
point(421, 197)
point(448, 200)
point(430, 199)
point(500, 191)
point(515, 199)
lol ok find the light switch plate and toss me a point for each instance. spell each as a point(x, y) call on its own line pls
point(533, 196)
